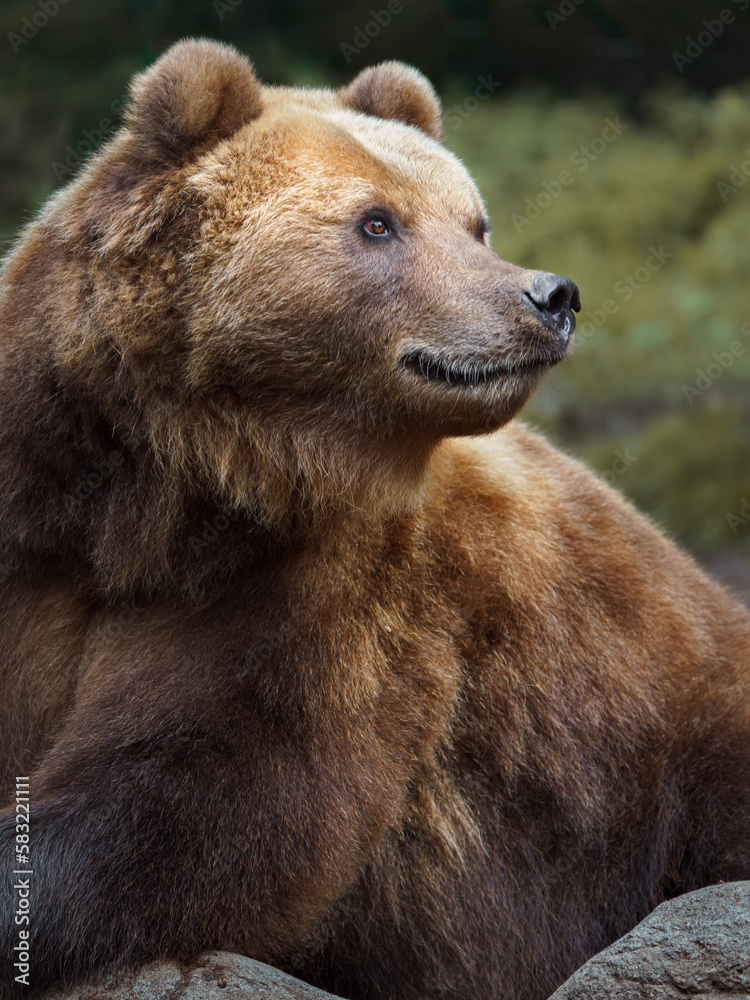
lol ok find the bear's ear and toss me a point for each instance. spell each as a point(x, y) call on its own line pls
point(395, 90)
point(198, 93)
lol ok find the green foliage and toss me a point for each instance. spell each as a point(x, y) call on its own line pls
point(657, 375)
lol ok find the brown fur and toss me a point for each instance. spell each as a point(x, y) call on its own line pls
point(298, 666)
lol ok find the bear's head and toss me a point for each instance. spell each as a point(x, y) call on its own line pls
point(272, 301)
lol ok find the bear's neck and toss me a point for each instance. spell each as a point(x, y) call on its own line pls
point(103, 508)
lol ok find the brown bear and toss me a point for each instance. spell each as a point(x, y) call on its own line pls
point(309, 653)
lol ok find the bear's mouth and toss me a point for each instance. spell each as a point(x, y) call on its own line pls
point(470, 371)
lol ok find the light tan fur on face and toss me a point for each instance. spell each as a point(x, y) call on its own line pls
point(236, 192)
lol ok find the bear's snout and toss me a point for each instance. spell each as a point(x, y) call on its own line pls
point(552, 298)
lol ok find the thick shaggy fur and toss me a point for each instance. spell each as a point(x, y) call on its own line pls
point(299, 665)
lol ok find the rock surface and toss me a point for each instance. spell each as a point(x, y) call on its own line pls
point(217, 975)
point(696, 945)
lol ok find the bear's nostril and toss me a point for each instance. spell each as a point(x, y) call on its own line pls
point(559, 300)
point(553, 294)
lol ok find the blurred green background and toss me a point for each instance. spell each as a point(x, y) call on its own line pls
point(611, 140)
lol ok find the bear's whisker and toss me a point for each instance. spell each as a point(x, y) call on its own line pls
point(463, 372)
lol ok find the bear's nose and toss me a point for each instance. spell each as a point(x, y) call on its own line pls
point(552, 296)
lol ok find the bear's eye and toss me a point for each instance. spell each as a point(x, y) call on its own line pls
point(377, 226)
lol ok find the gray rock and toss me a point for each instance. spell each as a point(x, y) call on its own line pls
point(696, 945)
point(217, 975)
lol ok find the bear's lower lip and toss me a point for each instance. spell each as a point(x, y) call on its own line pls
point(469, 371)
